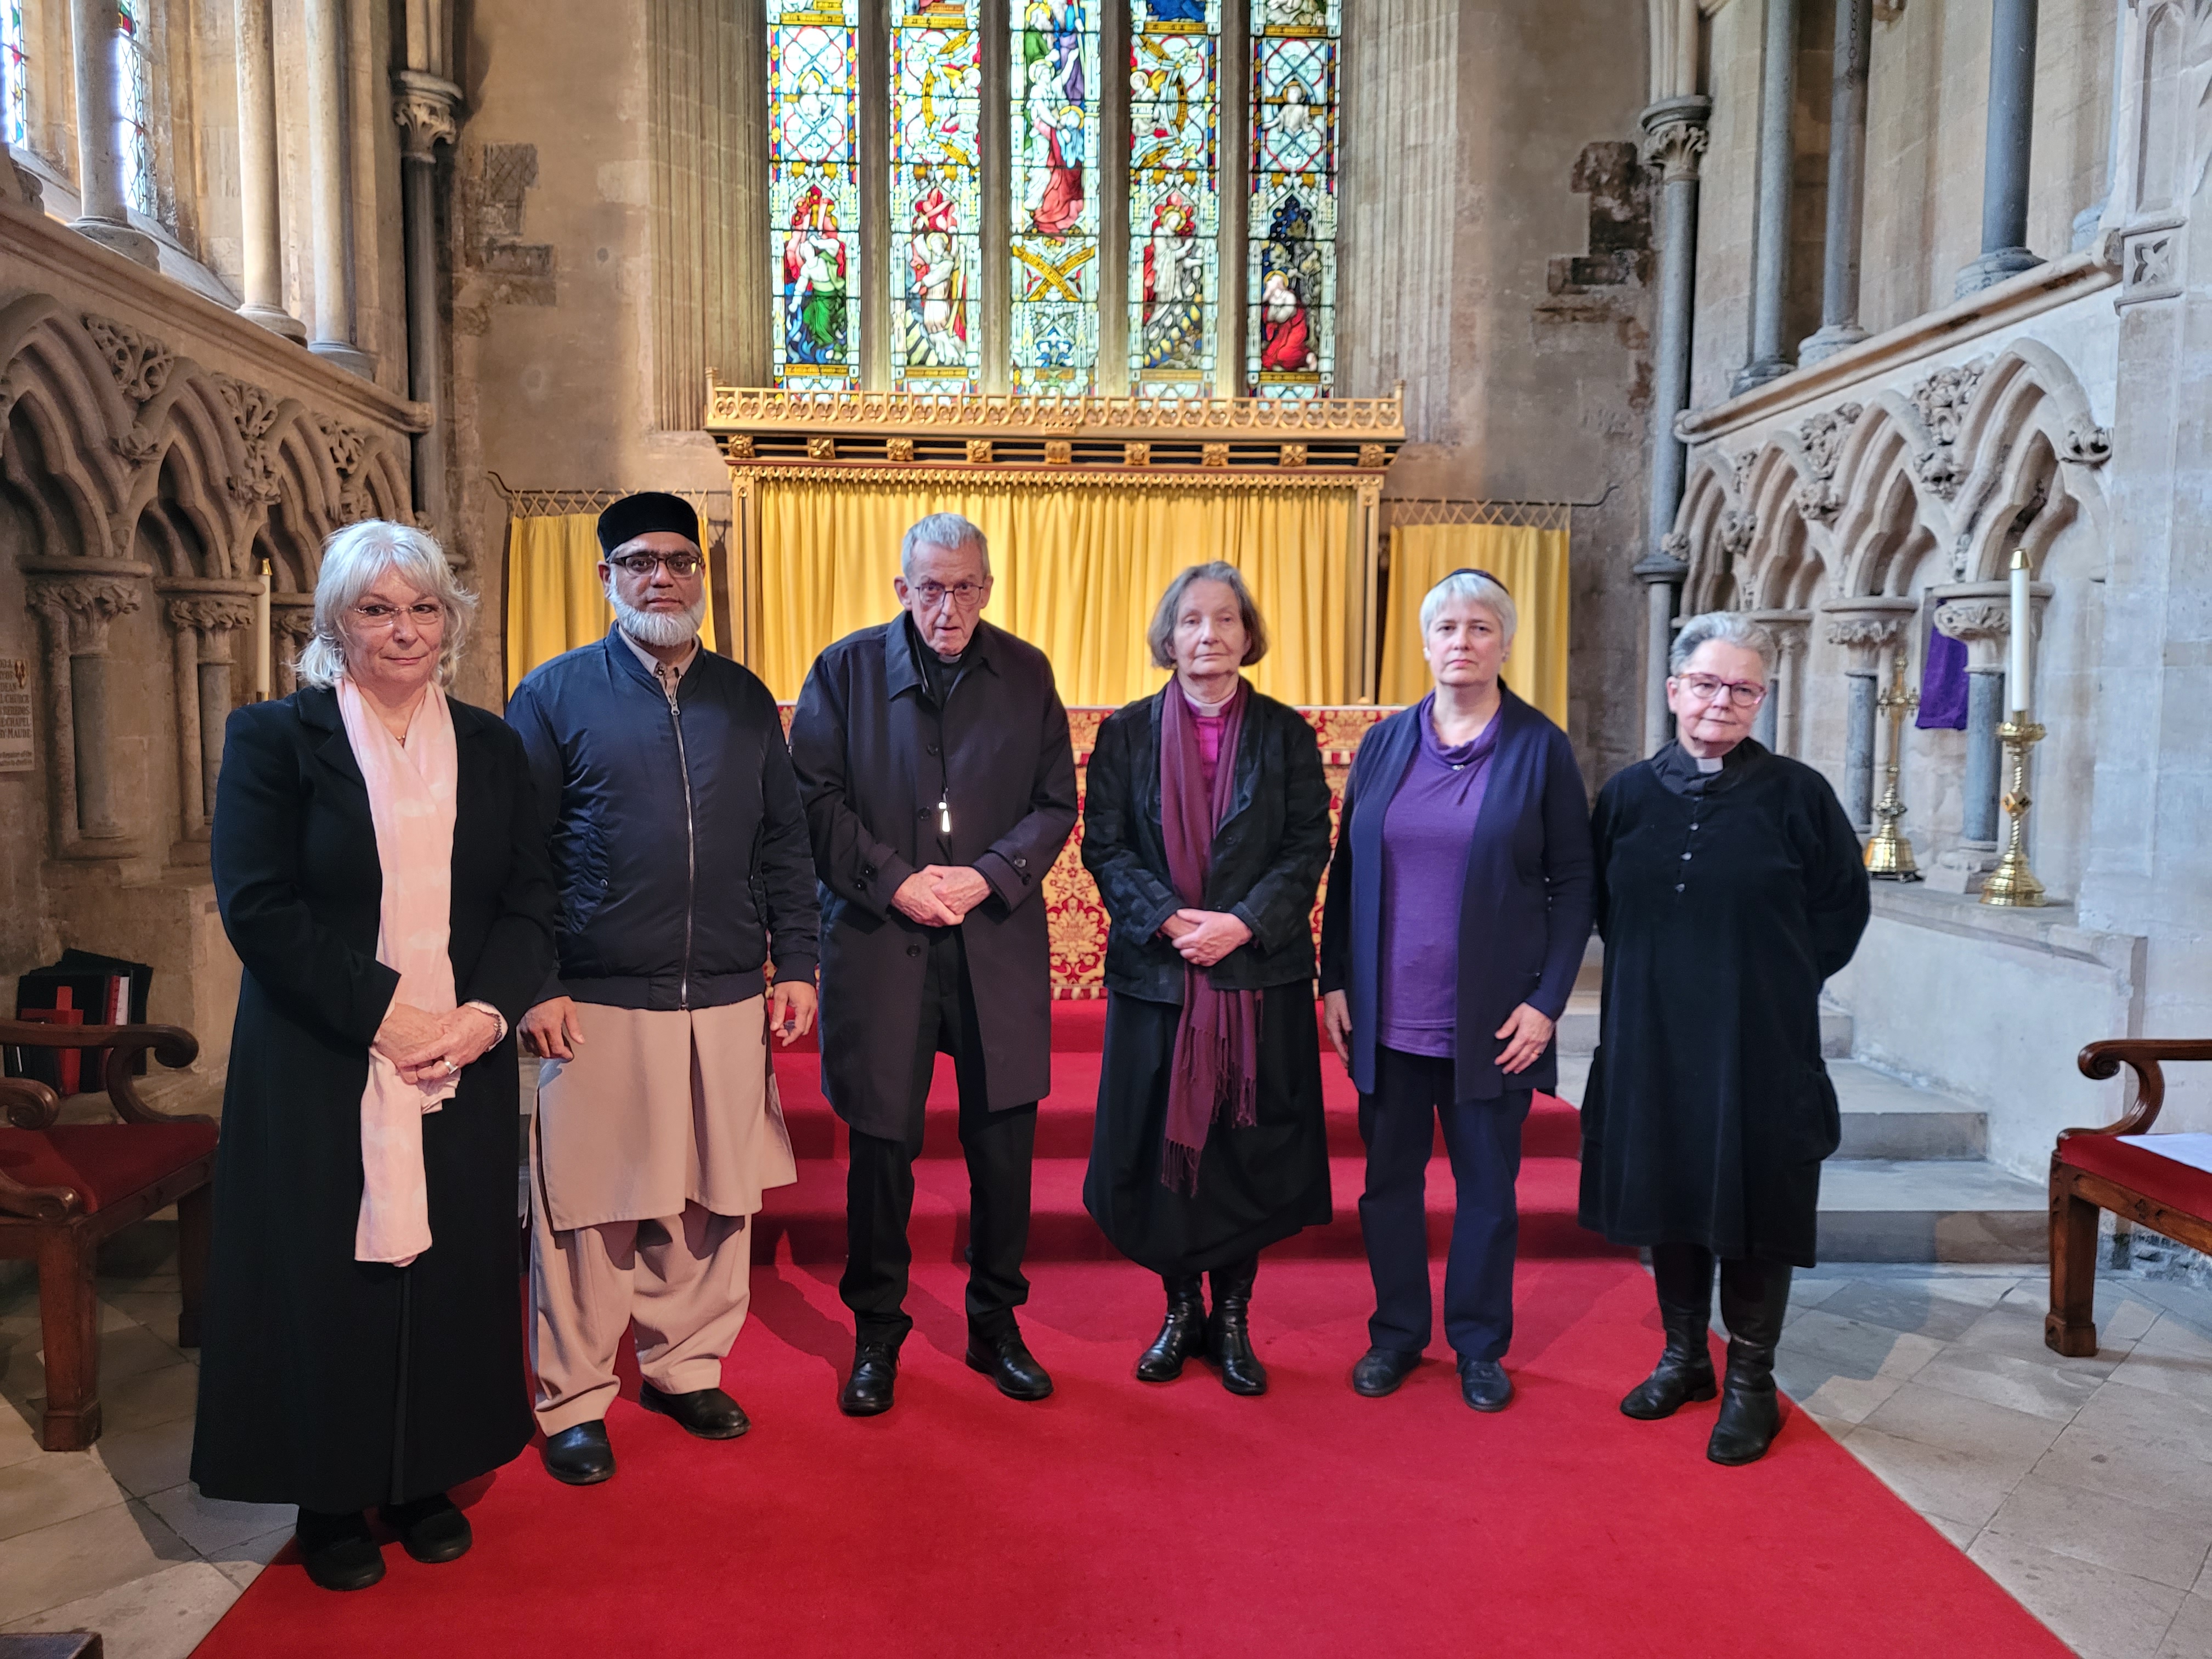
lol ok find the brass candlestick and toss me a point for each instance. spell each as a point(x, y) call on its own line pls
point(1888, 854)
point(2012, 882)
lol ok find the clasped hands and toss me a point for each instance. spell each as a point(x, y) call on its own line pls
point(429, 1048)
point(1204, 937)
point(941, 895)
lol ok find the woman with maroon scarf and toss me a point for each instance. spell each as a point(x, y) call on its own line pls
point(1207, 829)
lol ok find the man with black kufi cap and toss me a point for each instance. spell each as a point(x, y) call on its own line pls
point(681, 852)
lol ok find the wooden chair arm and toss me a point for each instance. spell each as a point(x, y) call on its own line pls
point(2100, 1061)
point(38, 1203)
point(31, 1103)
point(173, 1045)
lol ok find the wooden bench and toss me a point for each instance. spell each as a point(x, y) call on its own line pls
point(2093, 1170)
point(64, 1187)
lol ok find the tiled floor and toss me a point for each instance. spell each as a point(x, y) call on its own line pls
point(2082, 1485)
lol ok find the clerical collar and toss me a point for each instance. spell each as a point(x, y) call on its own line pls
point(1209, 710)
point(1708, 763)
point(1685, 774)
point(940, 674)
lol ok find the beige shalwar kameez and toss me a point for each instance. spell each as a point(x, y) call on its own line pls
point(649, 1152)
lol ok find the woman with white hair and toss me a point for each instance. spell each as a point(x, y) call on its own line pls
point(382, 874)
point(1207, 826)
point(1458, 911)
point(1729, 887)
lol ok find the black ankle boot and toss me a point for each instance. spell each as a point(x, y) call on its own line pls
point(1683, 1275)
point(1229, 1331)
point(1754, 1298)
point(338, 1551)
point(1182, 1334)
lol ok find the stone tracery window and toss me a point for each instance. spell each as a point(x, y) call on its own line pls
point(993, 263)
point(134, 100)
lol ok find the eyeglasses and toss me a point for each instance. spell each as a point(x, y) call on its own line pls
point(1704, 688)
point(425, 615)
point(934, 594)
point(642, 564)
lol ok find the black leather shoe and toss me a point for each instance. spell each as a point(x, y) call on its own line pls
point(1183, 1335)
point(337, 1550)
point(579, 1456)
point(1006, 1360)
point(431, 1529)
point(1380, 1370)
point(1483, 1385)
point(1229, 1330)
point(867, 1391)
point(707, 1413)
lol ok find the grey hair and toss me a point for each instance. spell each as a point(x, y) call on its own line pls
point(354, 560)
point(1730, 627)
point(947, 531)
point(1161, 634)
point(1472, 587)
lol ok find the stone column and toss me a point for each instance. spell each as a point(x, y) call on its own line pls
point(291, 621)
point(103, 213)
point(2009, 128)
point(262, 246)
point(1979, 615)
point(77, 600)
point(1662, 572)
point(1789, 725)
point(424, 107)
point(1788, 627)
point(328, 173)
point(206, 615)
point(1777, 155)
point(1675, 138)
point(1839, 277)
point(1867, 630)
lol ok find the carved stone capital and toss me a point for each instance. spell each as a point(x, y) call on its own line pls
point(1983, 626)
point(1866, 629)
point(1674, 137)
point(78, 608)
point(140, 362)
point(209, 613)
point(427, 109)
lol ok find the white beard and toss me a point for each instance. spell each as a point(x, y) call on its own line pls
point(662, 628)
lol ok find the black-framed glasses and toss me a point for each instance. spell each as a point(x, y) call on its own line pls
point(642, 564)
point(1707, 688)
point(965, 594)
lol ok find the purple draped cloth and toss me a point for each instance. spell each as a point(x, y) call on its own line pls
point(1217, 1045)
point(1943, 684)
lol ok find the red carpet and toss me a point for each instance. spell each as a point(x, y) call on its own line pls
point(1117, 1518)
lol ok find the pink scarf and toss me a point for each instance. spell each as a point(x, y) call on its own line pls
point(411, 801)
point(1216, 1062)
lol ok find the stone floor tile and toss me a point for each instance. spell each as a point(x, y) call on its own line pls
point(209, 1524)
point(149, 1460)
point(83, 1557)
point(167, 1395)
point(2148, 1417)
point(1831, 1395)
point(2097, 1612)
point(2189, 1635)
point(40, 1491)
point(1939, 1483)
point(242, 1563)
point(2111, 1532)
point(1806, 1292)
point(2171, 1358)
point(1910, 1305)
point(2102, 1460)
point(161, 1616)
point(1976, 1428)
point(19, 1436)
point(2018, 1333)
point(156, 1310)
point(1857, 1349)
point(2022, 1385)
point(1957, 1531)
point(2122, 1312)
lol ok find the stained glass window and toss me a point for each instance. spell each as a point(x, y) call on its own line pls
point(1174, 195)
point(1054, 96)
point(15, 76)
point(814, 191)
point(1291, 245)
point(937, 195)
point(140, 188)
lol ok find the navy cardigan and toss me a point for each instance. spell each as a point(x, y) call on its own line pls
point(1524, 909)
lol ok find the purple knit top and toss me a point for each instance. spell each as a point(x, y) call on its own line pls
point(1425, 833)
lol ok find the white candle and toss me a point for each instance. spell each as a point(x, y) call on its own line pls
point(2017, 685)
point(261, 638)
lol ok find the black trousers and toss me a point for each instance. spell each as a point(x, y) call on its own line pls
point(1397, 1122)
point(879, 1180)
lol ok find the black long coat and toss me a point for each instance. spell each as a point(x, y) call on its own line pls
point(875, 756)
point(1726, 899)
point(303, 1397)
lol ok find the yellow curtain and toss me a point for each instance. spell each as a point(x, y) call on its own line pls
point(554, 599)
point(1079, 570)
point(1532, 565)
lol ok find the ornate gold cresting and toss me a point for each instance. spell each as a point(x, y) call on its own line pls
point(1888, 853)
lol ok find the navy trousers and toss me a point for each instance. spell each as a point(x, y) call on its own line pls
point(1483, 1136)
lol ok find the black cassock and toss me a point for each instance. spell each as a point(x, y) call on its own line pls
point(1725, 900)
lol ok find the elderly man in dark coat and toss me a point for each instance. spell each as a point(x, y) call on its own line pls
point(934, 758)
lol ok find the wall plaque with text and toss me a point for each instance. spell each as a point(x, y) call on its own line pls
point(17, 753)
